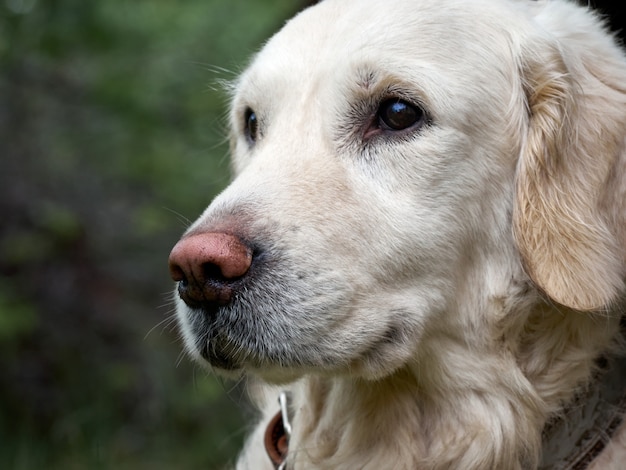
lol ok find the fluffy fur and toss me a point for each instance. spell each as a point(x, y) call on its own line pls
point(430, 296)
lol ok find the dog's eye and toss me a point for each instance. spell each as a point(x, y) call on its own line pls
point(396, 115)
point(251, 125)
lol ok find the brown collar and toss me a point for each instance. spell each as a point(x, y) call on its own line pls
point(577, 436)
point(570, 442)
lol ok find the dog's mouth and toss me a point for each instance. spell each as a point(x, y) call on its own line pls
point(236, 335)
point(219, 328)
point(278, 321)
point(229, 338)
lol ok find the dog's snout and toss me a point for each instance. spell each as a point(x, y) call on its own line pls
point(205, 266)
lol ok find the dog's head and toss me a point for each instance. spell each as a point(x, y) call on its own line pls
point(404, 168)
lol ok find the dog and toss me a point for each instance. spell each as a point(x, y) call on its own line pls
point(423, 249)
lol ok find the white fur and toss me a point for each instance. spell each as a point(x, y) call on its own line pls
point(430, 297)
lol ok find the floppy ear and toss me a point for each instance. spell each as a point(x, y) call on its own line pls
point(570, 211)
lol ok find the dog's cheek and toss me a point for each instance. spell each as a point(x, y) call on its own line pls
point(385, 358)
point(393, 345)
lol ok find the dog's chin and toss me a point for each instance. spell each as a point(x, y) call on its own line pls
point(230, 368)
point(279, 375)
point(275, 375)
point(219, 361)
point(369, 367)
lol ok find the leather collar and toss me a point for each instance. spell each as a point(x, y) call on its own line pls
point(573, 439)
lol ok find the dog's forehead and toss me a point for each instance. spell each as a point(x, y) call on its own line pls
point(437, 35)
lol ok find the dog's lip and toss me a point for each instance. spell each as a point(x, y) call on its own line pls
point(219, 294)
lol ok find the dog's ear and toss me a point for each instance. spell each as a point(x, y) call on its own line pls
point(570, 211)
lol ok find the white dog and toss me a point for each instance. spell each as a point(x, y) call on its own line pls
point(425, 242)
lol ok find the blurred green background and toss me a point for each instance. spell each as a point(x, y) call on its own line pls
point(111, 140)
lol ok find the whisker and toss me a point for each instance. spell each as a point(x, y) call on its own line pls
point(185, 220)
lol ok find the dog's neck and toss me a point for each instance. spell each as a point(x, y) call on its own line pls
point(335, 416)
point(479, 411)
point(396, 421)
point(573, 439)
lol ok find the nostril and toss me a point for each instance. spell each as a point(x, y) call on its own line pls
point(213, 272)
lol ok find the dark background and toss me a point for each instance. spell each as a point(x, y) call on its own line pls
point(614, 11)
point(111, 141)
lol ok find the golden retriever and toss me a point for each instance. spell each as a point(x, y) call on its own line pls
point(424, 243)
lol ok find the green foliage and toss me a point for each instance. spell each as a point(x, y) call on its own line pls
point(111, 140)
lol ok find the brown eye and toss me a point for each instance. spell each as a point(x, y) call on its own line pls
point(251, 125)
point(396, 115)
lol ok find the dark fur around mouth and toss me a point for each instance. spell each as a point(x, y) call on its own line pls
point(265, 323)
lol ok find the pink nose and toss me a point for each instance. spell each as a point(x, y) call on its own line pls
point(206, 264)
